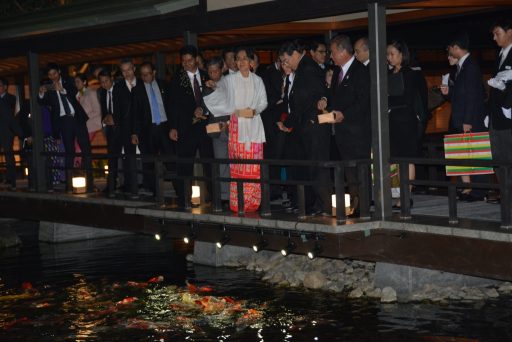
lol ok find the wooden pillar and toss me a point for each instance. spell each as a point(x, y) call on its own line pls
point(160, 65)
point(190, 38)
point(379, 109)
point(38, 164)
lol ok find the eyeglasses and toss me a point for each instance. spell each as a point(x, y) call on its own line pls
point(322, 51)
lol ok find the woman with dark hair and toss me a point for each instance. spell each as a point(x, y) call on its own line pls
point(403, 92)
point(89, 100)
point(242, 94)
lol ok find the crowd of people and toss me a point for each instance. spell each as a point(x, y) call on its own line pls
point(229, 107)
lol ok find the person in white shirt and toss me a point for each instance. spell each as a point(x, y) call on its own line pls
point(242, 94)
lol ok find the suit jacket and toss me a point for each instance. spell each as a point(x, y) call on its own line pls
point(7, 119)
point(308, 87)
point(352, 98)
point(467, 97)
point(122, 103)
point(51, 100)
point(499, 99)
point(273, 80)
point(141, 109)
point(183, 103)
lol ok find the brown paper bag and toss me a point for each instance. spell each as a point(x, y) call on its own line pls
point(213, 128)
point(326, 118)
point(245, 113)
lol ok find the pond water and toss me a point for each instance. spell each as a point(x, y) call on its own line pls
point(134, 288)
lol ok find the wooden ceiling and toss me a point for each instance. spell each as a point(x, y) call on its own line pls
point(419, 12)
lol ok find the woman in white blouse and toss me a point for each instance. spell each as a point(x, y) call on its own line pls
point(243, 96)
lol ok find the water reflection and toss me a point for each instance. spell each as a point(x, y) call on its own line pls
point(137, 288)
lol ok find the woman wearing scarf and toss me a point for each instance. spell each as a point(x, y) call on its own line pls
point(243, 96)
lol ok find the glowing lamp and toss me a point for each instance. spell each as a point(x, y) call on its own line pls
point(196, 194)
point(79, 185)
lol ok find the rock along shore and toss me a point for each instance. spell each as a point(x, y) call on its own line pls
point(353, 278)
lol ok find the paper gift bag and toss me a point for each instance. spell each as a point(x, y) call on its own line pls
point(467, 146)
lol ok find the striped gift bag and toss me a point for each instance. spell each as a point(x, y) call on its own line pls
point(467, 146)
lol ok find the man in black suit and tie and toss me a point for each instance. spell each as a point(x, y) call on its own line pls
point(116, 102)
point(151, 130)
point(187, 118)
point(362, 51)
point(68, 121)
point(7, 122)
point(466, 95)
point(500, 100)
point(349, 99)
point(313, 139)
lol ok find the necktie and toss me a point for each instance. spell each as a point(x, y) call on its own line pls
point(286, 89)
point(110, 109)
point(155, 110)
point(501, 59)
point(65, 103)
point(458, 71)
point(340, 76)
point(197, 91)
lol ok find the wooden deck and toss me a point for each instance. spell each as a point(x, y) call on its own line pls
point(476, 245)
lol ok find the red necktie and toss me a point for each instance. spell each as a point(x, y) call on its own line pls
point(197, 91)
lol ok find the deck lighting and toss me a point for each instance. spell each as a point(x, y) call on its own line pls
point(333, 201)
point(288, 249)
point(105, 167)
point(79, 185)
point(158, 237)
point(315, 252)
point(191, 235)
point(260, 245)
point(224, 240)
point(196, 194)
point(26, 171)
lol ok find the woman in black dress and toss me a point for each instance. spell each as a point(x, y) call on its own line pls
point(403, 121)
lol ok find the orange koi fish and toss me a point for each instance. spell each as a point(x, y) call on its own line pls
point(191, 288)
point(136, 284)
point(26, 286)
point(15, 322)
point(127, 300)
point(155, 280)
point(205, 289)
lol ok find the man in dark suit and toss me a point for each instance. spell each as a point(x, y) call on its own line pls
point(116, 102)
point(307, 89)
point(7, 122)
point(68, 120)
point(362, 51)
point(318, 52)
point(349, 99)
point(151, 130)
point(500, 101)
point(273, 80)
point(187, 118)
point(230, 66)
point(466, 95)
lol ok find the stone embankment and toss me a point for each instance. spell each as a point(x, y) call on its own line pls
point(355, 279)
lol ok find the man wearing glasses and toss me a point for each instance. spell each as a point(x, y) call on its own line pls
point(318, 52)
